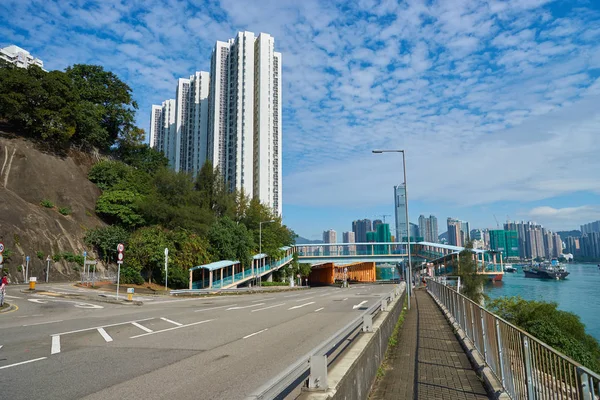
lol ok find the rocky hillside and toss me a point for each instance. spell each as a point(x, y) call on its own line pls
point(46, 205)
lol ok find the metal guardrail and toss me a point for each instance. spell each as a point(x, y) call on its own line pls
point(290, 378)
point(526, 367)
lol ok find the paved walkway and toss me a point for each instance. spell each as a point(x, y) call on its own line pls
point(441, 370)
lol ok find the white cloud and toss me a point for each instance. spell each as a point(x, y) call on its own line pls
point(567, 216)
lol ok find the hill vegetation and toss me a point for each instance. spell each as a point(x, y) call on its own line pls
point(144, 204)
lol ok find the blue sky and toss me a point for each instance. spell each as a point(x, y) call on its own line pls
point(495, 102)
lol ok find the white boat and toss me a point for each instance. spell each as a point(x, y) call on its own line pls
point(509, 268)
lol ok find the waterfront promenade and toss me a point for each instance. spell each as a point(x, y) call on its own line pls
point(428, 362)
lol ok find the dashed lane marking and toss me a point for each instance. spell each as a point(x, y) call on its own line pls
point(266, 308)
point(172, 322)
point(301, 305)
point(171, 329)
point(242, 307)
point(319, 309)
point(55, 345)
point(42, 323)
point(214, 308)
point(105, 335)
point(255, 333)
point(142, 327)
point(23, 362)
point(102, 326)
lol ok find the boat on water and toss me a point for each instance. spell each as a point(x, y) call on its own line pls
point(509, 268)
point(546, 270)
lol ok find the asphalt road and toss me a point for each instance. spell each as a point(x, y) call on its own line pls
point(200, 348)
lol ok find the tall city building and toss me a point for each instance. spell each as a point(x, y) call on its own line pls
point(400, 211)
point(376, 223)
point(572, 245)
point(590, 246)
point(383, 235)
point(558, 245)
point(454, 236)
point(232, 118)
point(504, 242)
point(348, 237)
point(19, 57)
point(591, 227)
point(330, 236)
point(428, 228)
point(360, 228)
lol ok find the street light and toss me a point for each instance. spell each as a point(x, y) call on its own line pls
point(409, 282)
point(260, 245)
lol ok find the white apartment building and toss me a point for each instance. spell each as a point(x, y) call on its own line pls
point(162, 128)
point(232, 117)
point(19, 57)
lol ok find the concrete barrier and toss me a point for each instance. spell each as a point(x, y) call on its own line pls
point(351, 376)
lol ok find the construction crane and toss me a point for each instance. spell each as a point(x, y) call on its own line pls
point(383, 216)
point(497, 224)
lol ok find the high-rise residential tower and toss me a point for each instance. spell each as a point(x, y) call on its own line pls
point(232, 118)
point(428, 228)
point(400, 212)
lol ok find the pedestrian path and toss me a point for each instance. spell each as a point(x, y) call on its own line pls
point(428, 362)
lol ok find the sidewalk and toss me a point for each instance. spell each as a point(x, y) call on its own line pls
point(441, 370)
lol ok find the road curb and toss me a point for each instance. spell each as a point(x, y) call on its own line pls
point(11, 307)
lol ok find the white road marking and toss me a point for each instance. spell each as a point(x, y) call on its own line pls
point(255, 333)
point(173, 301)
point(12, 297)
point(242, 307)
point(105, 335)
point(268, 298)
point(142, 327)
point(266, 308)
point(55, 345)
point(23, 362)
point(345, 299)
point(1, 346)
point(29, 316)
point(171, 329)
point(102, 326)
point(319, 309)
point(214, 308)
point(308, 298)
point(354, 307)
point(42, 323)
point(301, 305)
point(172, 322)
point(293, 295)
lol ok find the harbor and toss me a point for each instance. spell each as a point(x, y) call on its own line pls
point(578, 293)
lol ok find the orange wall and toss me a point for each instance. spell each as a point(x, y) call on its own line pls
point(327, 274)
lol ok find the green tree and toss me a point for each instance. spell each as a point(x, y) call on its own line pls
point(471, 282)
point(106, 110)
point(120, 207)
point(561, 330)
point(231, 241)
point(106, 239)
point(146, 248)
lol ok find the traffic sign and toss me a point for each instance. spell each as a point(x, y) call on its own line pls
point(27, 258)
point(1, 247)
point(119, 262)
point(130, 290)
point(120, 256)
point(120, 247)
point(85, 253)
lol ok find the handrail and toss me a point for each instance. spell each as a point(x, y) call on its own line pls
point(289, 378)
point(526, 367)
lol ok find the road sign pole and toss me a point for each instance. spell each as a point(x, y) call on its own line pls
point(93, 275)
point(166, 268)
point(118, 278)
point(47, 268)
point(84, 277)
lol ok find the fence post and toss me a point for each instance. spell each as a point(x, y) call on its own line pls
point(318, 373)
point(465, 317)
point(483, 335)
point(528, 372)
point(584, 385)
point(473, 325)
point(500, 352)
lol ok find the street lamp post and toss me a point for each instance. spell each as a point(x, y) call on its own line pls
point(260, 246)
point(409, 280)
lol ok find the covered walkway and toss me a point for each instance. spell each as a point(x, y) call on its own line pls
point(428, 362)
point(226, 274)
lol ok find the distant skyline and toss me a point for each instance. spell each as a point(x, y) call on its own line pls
point(495, 102)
